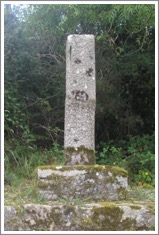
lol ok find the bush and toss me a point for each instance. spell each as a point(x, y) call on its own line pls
point(136, 155)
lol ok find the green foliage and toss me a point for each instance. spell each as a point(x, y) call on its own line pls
point(35, 38)
point(136, 155)
point(34, 82)
point(141, 158)
point(22, 160)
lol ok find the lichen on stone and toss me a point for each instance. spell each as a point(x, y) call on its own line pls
point(95, 181)
point(101, 216)
point(79, 155)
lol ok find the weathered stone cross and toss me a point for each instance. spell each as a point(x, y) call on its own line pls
point(80, 100)
point(80, 177)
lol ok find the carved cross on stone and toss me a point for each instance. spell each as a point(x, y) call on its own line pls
point(79, 138)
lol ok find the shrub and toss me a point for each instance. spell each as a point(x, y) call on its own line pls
point(136, 155)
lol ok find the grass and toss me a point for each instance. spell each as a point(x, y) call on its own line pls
point(76, 201)
point(141, 193)
point(22, 193)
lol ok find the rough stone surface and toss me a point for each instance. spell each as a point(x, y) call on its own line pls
point(80, 100)
point(91, 182)
point(88, 217)
point(13, 220)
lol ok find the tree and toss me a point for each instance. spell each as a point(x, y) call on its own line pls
point(35, 38)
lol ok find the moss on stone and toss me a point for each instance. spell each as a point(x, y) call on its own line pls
point(51, 167)
point(55, 217)
point(83, 152)
point(106, 217)
point(135, 207)
point(116, 171)
point(122, 193)
point(19, 210)
point(151, 207)
point(119, 171)
point(60, 178)
point(113, 218)
point(107, 204)
point(69, 209)
point(129, 225)
point(54, 181)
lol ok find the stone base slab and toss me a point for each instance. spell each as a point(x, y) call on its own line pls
point(96, 182)
point(101, 216)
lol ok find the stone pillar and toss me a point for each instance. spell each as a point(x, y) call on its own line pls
point(79, 137)
point(81, 177)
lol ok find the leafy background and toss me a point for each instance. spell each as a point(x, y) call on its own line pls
point(35, 40)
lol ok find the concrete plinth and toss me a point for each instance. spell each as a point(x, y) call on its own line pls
point(97, 183)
